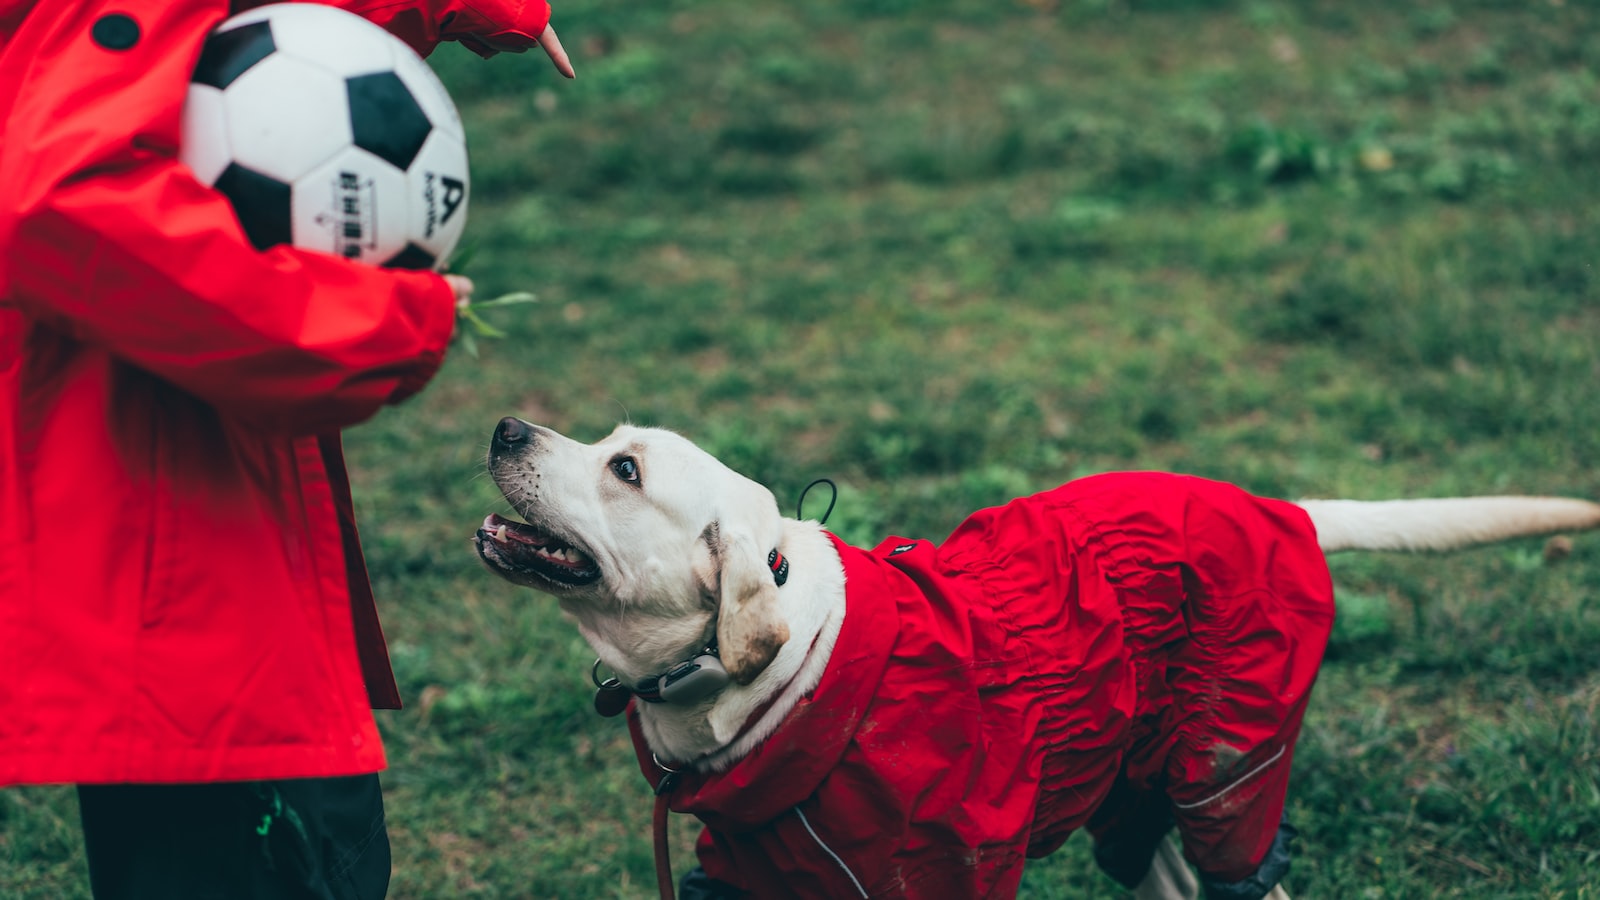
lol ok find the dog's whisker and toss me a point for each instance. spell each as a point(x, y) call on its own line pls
point(627, 417)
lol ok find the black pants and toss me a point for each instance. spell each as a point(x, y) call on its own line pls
point(321, 838)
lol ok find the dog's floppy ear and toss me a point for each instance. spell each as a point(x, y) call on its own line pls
point(750, 629)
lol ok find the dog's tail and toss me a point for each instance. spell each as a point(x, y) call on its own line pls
point(1443, 524)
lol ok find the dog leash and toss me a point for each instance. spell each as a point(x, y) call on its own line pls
point(669, 780)
point(658, 825)
point(609, 692)
point(663, 852)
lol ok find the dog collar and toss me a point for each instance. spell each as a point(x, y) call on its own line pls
point(690, 681)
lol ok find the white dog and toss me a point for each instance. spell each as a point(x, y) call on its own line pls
point(1124, 653)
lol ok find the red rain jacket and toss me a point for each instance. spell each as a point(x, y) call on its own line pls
point(182, 594)
point(984, 694)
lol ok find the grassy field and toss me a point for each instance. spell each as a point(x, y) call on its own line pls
point(946, 253)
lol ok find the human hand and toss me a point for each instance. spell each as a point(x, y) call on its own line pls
point(461, 286)
point(512, 42)
point(473, 326)
point(552, 47)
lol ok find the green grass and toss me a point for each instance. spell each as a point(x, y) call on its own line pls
point(949, 252)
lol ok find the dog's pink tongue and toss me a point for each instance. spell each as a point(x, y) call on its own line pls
point(520, 541)
point(505, 531)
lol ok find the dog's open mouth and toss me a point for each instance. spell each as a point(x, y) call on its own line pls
point(516, 548)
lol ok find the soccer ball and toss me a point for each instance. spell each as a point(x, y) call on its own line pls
point(328, 133)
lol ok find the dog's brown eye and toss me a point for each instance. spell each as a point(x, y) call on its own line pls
point(626, 469)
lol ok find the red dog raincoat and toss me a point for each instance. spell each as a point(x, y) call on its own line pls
point(1158, 633)
point(182, 594)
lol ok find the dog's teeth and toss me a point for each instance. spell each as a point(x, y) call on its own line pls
point(565, 554)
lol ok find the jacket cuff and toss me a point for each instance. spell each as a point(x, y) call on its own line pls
point(1266, 877)
point(439, 303)
point(483, 26)
point(1127, 855)
point(509, 26)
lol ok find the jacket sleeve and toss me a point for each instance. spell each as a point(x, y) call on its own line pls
point(483, 26)
point(108, 238)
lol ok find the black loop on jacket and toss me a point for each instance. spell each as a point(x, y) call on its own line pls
point(799, 507)
point(1266, 876)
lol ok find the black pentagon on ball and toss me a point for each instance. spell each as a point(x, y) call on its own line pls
point(261, 203)
point(412, 257)
point(231, 53)
point(386, 119)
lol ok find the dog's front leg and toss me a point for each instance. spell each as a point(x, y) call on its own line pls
point(1169, 877)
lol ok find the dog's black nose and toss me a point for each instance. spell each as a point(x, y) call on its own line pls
point(512, 431)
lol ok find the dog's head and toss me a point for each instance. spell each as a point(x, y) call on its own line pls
point(644, 538)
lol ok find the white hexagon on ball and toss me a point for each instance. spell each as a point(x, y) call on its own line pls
point(326, 132)
point(205, 129)
point(326, 37)
point(437, 189)
point(286, 146)
point(340, 208)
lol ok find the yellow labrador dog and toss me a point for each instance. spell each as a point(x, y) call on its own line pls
point(1125, 653)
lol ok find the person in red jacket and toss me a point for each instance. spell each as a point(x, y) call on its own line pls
point(186, 627)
